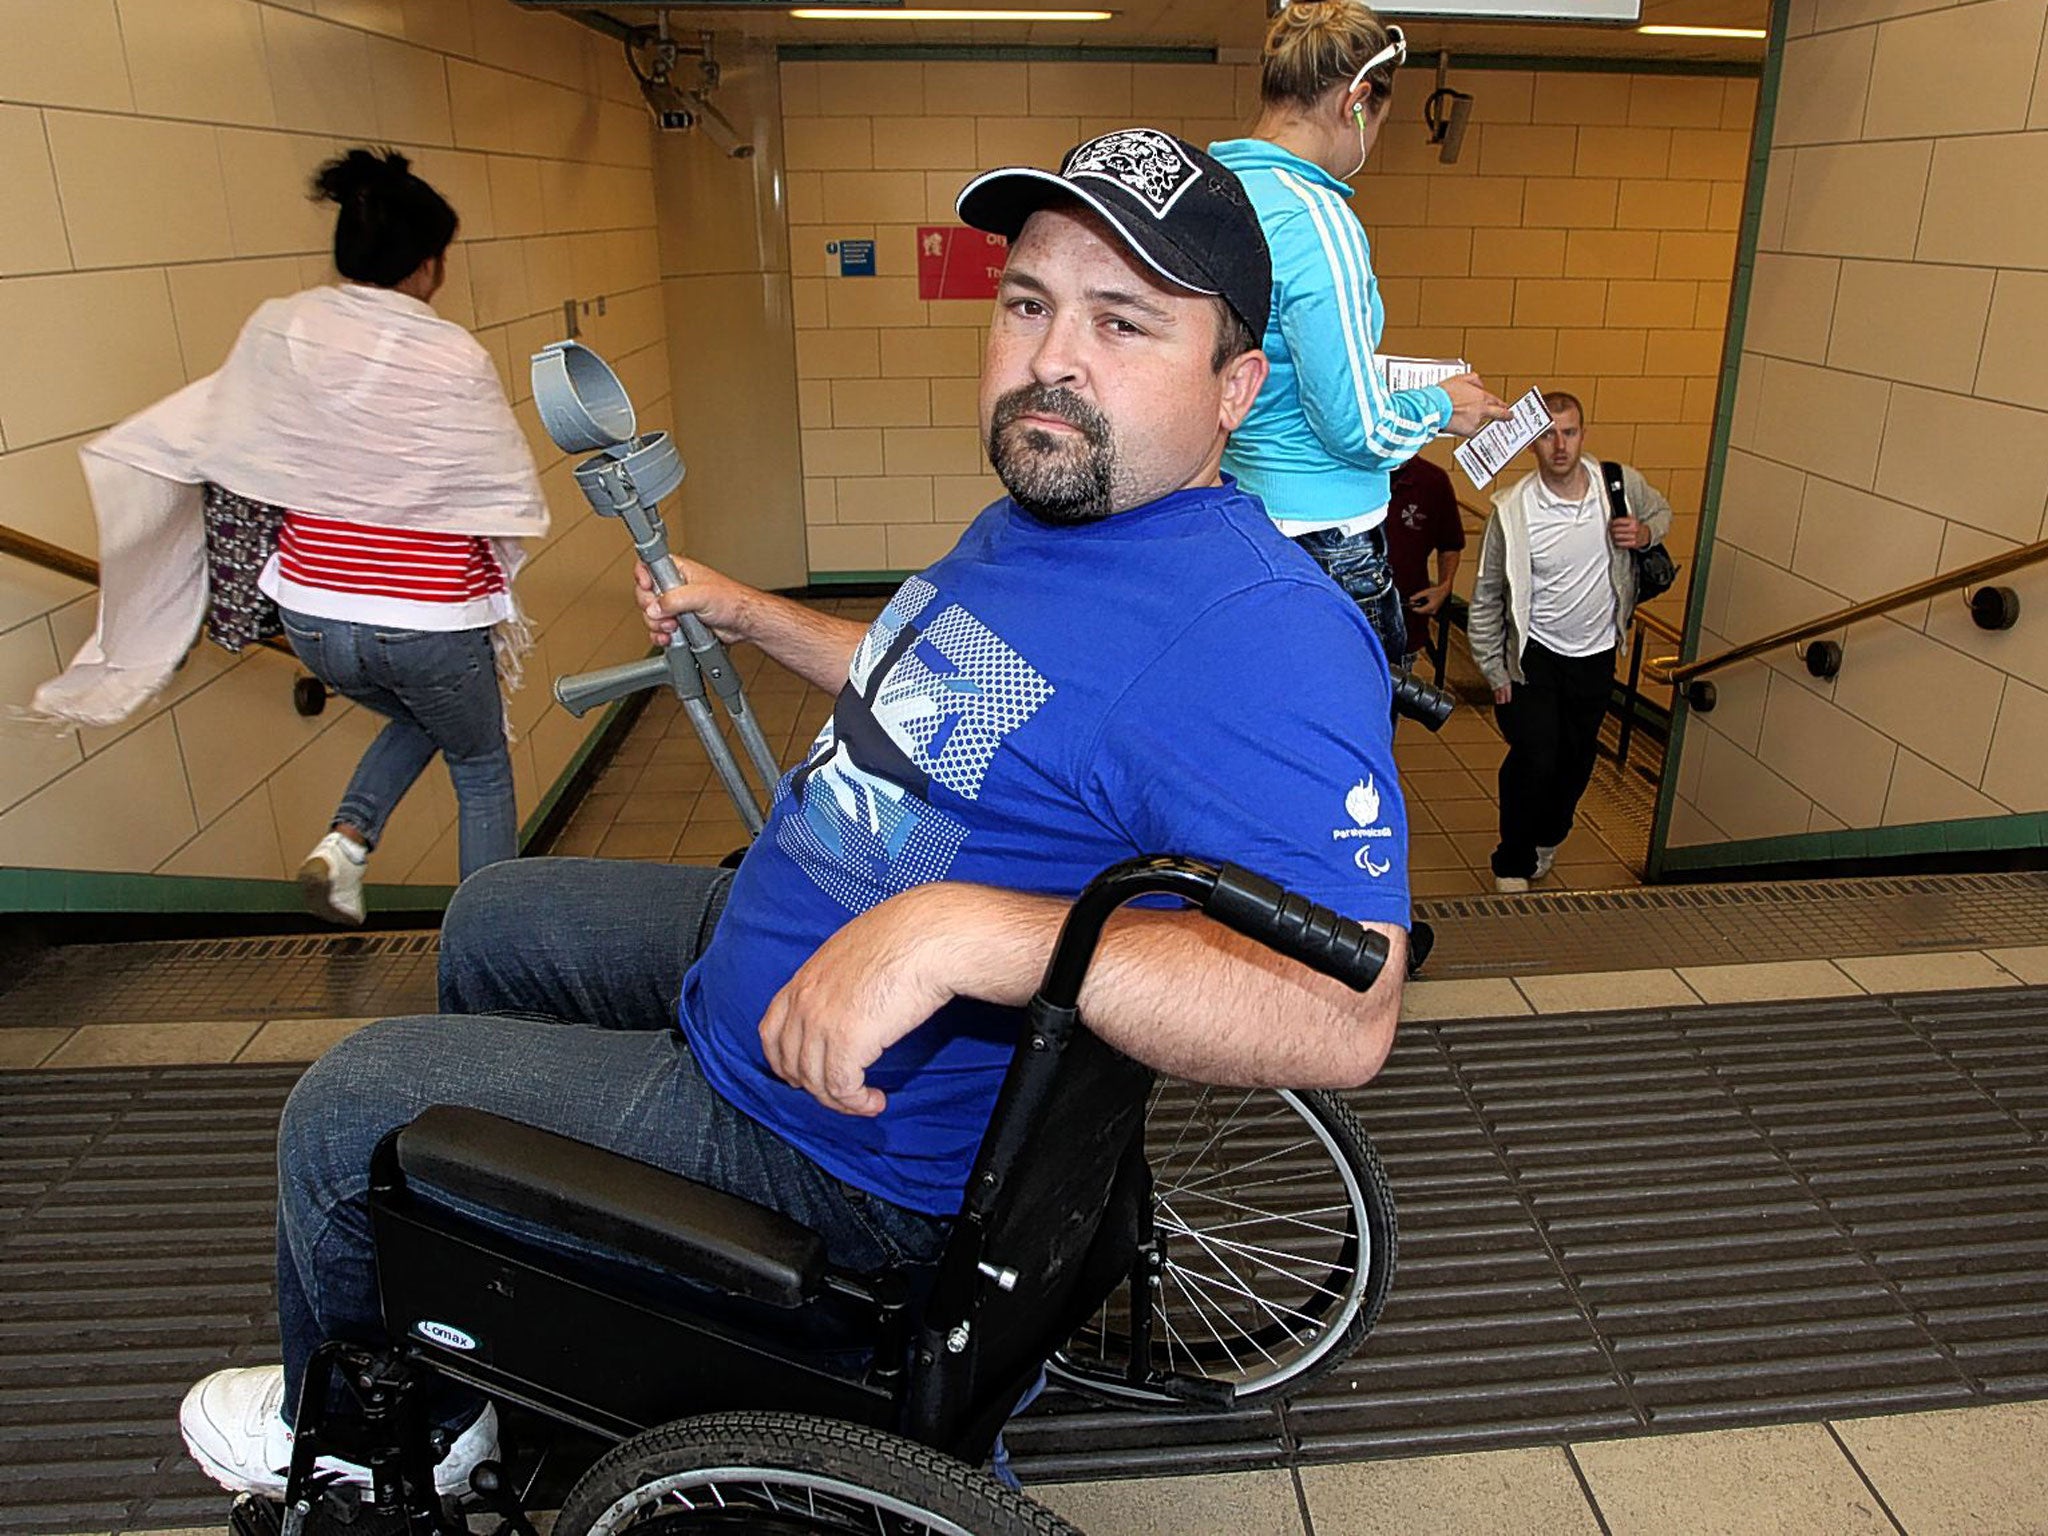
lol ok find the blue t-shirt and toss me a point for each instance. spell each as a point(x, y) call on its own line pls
point(1039, 704)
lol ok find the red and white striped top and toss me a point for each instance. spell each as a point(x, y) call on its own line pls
point(402, 576)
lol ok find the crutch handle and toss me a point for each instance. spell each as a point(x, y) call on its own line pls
point(586, 690)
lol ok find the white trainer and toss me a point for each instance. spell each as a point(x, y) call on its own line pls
point(1510, 885)
point(1545, 858)
point(331, 879)
point(234, 1429)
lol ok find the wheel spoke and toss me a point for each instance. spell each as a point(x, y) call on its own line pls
point(1217, 1132)
point(1268, 1260)
point(1254, 1214)
point(1270, 1211)
point(1230, 1170)
point(1201, 1310)
point(1276, 1311)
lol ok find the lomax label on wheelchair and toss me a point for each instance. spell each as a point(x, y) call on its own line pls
point(443, 1334)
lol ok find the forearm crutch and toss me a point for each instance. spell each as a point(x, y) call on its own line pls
point(584, 406)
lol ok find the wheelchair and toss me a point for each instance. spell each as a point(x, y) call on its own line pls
point(746, 1384)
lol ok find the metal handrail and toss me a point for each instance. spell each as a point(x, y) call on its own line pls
point(51, 557)
point(65, 562)
point(1663, 629)
point(1667, 669)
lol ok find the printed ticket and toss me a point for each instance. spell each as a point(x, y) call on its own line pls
point(1417, 372)
point(1489, 451)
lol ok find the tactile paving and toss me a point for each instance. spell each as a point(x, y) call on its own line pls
point(1611, 1224)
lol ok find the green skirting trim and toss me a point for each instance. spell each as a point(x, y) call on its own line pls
point(86, 890)
point(543, 816)
point(859, 578)
point(1979, 835)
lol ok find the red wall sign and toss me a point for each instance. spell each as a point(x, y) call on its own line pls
point(954, 262)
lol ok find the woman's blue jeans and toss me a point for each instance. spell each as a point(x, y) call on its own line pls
point(559, 981)
point(439, 690)
point(1358, 563)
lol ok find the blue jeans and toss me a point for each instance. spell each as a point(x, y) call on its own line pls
point(439, 689)
point(1358, 563)
point(559, 978)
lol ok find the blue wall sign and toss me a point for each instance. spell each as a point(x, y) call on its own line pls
point(856, 257)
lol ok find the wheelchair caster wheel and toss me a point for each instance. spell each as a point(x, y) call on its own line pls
point(309, 696)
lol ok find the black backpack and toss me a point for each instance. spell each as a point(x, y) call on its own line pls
point(1655, 569)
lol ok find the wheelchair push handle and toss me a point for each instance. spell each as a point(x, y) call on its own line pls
point(1297, 927)
point(1250, 904)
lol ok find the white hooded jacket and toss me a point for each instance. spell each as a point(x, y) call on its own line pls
point(352, 402)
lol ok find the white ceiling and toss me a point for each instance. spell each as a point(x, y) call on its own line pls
point(1238, 24)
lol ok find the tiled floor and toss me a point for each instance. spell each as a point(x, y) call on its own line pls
point(164, 1035)
point(1973, 1470)
point(164, 1038)
point(1966, 1472)
point(1867, 1171)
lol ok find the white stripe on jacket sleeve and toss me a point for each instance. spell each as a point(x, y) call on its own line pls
point(1365, 423)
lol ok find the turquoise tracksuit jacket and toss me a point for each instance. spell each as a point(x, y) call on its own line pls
point(1325, 429)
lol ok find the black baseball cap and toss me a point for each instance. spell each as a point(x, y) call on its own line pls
point(1181, 211)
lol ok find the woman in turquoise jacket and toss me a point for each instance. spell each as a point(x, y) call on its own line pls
point(1326, 430)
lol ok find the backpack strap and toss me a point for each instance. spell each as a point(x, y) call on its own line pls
point(1617, 492)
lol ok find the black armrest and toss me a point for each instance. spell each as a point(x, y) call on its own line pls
point(632, 1207)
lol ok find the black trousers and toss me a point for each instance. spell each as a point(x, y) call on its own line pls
point(1552, 726)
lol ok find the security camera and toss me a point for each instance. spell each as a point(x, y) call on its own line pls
point(719, 130)
point(668, 102)
point(677, 108)
point(1446, 113)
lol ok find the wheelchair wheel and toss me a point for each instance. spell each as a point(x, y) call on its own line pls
point(1276, 1230)
point(780, 1474)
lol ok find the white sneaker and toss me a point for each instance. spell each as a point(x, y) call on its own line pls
point(1545, 858)
point(1510, 885)
point(331, 879)
point(234, 1428)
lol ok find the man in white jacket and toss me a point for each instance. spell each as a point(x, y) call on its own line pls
point(1550, 606)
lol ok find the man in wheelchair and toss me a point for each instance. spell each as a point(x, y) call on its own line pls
point(824, 1031)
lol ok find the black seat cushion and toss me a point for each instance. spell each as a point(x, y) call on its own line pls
point(640, 1211)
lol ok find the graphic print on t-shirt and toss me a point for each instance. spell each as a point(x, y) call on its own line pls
point(924, 705)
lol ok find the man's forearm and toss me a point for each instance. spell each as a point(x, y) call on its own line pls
point(818, 647)
point(1178, 992)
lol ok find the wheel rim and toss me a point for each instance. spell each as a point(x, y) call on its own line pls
point(771, 1501)
point(1258, 1212)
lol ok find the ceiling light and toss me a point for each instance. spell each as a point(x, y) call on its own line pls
point(1756, 32)
point(834, 14)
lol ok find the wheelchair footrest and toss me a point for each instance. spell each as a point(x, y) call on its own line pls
point(598, 1197)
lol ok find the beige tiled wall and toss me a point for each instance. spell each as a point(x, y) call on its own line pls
point(154, 156)
point(1891, 422)
point(1583, 241)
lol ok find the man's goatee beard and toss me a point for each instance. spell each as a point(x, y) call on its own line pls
point(1056, 481)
